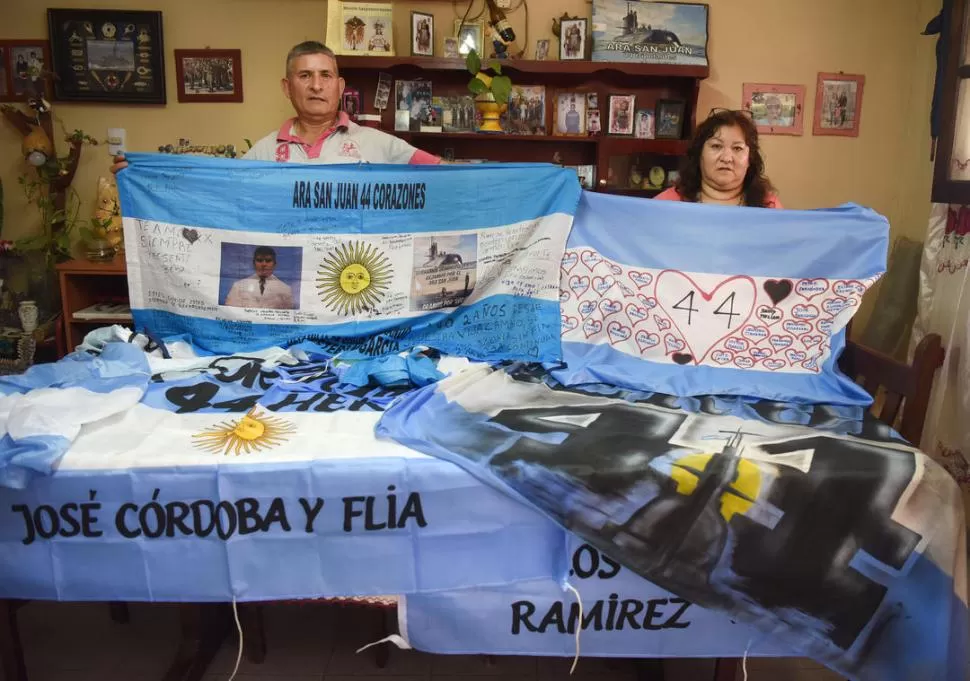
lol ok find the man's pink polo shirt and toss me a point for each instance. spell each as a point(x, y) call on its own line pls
point(346, 142)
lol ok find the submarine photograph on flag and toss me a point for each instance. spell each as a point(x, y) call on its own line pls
point(444, 270)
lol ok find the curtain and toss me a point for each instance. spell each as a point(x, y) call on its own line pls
point(944, 308)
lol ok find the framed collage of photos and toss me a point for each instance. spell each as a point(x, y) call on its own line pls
point(209, 75)
point(22, 61)
point(102, 55)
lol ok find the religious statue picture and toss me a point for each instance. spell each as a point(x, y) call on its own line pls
point(775, 109)
point(107, 55)
point(360, 28)
point(838, 104)
point(621, 114)
point(570, 114)
point(422, 34)
point(209, 75)
point(572, 39)
point(670, 33)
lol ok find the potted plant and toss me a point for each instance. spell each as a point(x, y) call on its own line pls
point(491, 91)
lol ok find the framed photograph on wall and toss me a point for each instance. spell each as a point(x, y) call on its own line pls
point(209, 75)
point(669, 123)
point(572, 39)
point(23, 61)
point(838, 104)
point(569, 114)
point(422, 34)
point(471, 36)
point(105, 55)
point(622, 114)
point(360, 28)
point(775, 109)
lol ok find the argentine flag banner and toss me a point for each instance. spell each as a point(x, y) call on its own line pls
point(361, 261)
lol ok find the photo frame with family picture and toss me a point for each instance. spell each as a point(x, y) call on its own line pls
point(471, 36)
point(23, 62)
point(209, 75)
point(572, 39)
point(644, 128)
point(775, 109)
point(838, 104)
point(569, 114)
point(526, 112)
point(669, 123)
point(622, 114)
point(422, 34)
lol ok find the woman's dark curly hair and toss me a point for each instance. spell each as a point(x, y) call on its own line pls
point(757, 187)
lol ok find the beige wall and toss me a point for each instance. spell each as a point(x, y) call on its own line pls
point(887, 167)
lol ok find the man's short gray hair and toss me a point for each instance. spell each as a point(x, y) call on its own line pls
point(308, 47)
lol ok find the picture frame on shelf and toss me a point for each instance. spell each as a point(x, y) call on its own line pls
point(209, 75)
point(838, 104)
point(109, 56)
point(350, 102)
point(592, 100)
point(569, 114)
point(360, 28)
point(451, 47)
point(622, 113)
point(471, 36)
point(586, 175)
point(593, 123)
point(672, 33)
point(669, 123)
point(775, 109)
point(20, 62)
point(644, 128)
point(526, 113)
point(542, 49)
point(422, 34)
point(572, 39)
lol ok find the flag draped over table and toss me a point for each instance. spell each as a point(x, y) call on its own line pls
point(362, 260)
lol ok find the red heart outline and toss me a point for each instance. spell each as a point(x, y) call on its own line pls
point(571, 256)
point(707, 298)
point(811, 281)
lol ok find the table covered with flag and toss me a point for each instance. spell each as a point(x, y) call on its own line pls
point(523, 418)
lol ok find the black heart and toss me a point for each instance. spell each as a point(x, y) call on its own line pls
point(682, 358)
point(778, 290)
point(190, 235)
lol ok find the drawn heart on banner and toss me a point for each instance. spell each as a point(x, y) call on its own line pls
point(809, 288)
point(608, 307)
point(795, 356)
point(586, 308)
point(781, 342)
point(796, 328)
point(646, 340)
point(641, 279)
point(804, 312)
point(811, 364)
point(744, 362)
point(636, 313)
point(722, 356)
point(627, 291)
point(705, 318)
point(773, 364)
point(190, 235)
point(825, 326)
point(847, 288)
point(673, 344)
point(662, 323)
point(649, 302)
point(591, 327)
point(569, 324)
point(578, 285)
point(760, 353)
point(777, 289)
point(591, 259)
point(563, 296)
point(736, 344)
point(835, 305)
point(603, 284)
point(681, 358)
point(616, 269)
point(569, 261)
point(755, 334)
point(618, 332)
point(769, 315)
point(809, 341)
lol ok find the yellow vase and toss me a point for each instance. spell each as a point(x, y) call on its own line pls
point(491, 112)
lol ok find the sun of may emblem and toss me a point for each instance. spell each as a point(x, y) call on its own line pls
point(354, 278)
point(254, 432)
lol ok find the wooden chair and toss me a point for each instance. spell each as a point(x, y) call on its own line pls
point(901, 394)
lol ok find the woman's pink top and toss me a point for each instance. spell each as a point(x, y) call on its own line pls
point(670, 194)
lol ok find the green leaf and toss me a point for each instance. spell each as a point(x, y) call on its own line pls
point(477, 86)
point(501, 88)
point(497, 67)
point(473, 62)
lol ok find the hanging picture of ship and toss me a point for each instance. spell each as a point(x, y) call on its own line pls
point(650, 32)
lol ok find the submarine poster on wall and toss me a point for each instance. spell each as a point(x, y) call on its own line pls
point(650, 32)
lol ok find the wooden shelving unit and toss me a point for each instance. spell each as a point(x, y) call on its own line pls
point(85, 283)
point(612, 155)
